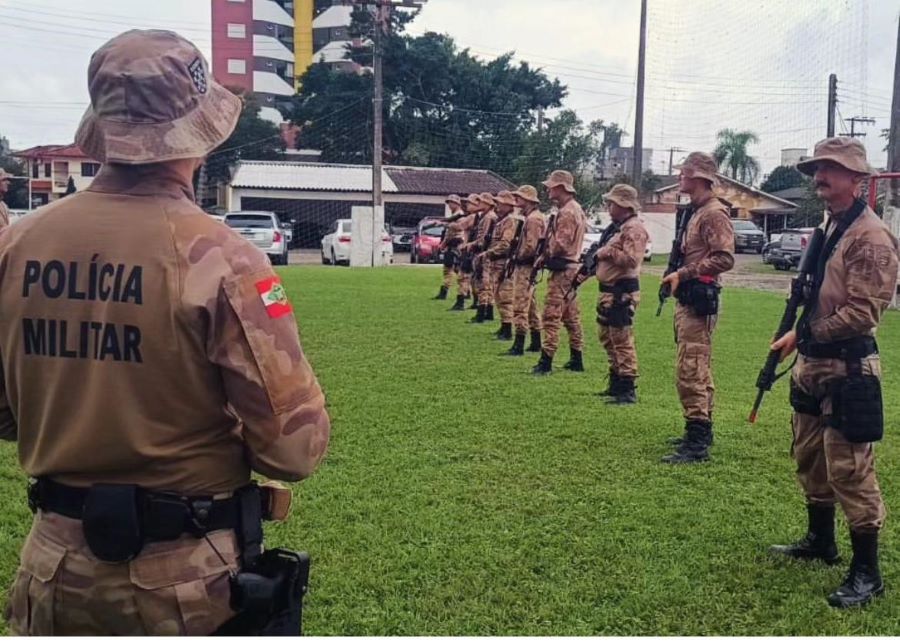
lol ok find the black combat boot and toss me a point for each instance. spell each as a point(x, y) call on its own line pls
point(695, 447)
point(677, 441)
point(442, 294)
point(518, 346)
point(505, 332)
point(535, 345)
point(625, 394)
point(479, 315)
point(460, 305)
point(489, 313)
point(818, 543)
point(474, 305)
point(544, 366)
point(611, 387)
point(575, 364)
point(863, 582)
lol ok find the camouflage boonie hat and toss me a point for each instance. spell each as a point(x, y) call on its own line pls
point(528, 193)
point(506, 198)
point(700, 165)
point(561, 178)
point(487, 198)
point(453, 198)
point(152, 100)
point(847, 152)
point(624, 196)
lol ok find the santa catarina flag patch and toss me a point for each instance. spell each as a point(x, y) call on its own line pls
point(273, 297)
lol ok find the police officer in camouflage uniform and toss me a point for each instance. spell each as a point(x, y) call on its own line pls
point(497, 255)
point(452, 238)
point(708, 252)
point(4, 189)
point(526, 314)
point(482, 279)
point(150, 364)
point(461, 229)
point(835, 384)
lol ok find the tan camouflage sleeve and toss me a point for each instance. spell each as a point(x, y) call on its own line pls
point(631, 255)
point(564, 235)
point(534, 230)
point(871, 281)
point(719, 234)
point(268, 381)
point(500, 249)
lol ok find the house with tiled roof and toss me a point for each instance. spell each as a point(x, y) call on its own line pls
point(50, 168)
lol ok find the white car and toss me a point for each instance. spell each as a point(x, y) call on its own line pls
point(336, 244)
point(263, 229)
point(593, 234)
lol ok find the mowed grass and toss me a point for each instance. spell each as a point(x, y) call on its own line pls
point(462, 496)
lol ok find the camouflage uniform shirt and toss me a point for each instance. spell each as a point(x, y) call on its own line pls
point(143, 342)
point(708, 242)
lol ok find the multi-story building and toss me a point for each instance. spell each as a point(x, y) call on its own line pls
point(264, 46)
point(50, 168)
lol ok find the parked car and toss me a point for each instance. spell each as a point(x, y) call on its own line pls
point(793, 245)
point(748, 237)
point(772, 248)
point(263, 229)
point(402, 238)
point(426, 242)
point(336, 244)
point(593, 234)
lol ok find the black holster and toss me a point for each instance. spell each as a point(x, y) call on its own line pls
point(804, 403)
point(857, 410)
point(621, 313)
point(467, 264)
point(557, 264)
point(449, 258)
point(701, 297)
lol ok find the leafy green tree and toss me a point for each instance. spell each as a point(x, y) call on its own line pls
point(650, 182)
point(783, 177)
point(732, 155)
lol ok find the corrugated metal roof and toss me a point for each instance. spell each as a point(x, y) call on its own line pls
point(308, 177)
point(358, 178)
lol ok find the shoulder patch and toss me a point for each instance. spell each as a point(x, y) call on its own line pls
point(274, 297)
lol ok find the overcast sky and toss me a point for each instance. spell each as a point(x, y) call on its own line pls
point(711, 63)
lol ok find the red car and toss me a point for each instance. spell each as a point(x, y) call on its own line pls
point(426, 241)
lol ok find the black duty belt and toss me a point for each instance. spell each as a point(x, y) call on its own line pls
point(856, 348)
point(163, 516)
point(528, 261)
point(622, 286)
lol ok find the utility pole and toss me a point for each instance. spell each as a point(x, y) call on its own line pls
point(672, 151)
point(540, 120)
point(892, 204)
point(637, 151)
point(832, 103)
point(862, 120)
point(382, 24)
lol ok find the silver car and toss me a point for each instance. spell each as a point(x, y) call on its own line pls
point(264, 230)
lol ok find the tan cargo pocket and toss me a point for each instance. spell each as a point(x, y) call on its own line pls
point(30, 609)
point(847, 462)
point(184, 589)
point(273, 341)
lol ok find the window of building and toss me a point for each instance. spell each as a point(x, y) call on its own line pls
point(48, 170)
point(236, 30)
point(237, 66)
point(89, 169)
point(35, 170)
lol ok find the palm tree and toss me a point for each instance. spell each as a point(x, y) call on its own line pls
point(732, 156)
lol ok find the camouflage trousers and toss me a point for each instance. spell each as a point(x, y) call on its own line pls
point(486, 282)
point(525, 309)
point(560, 310)
point(171, 588)
point(618, 342)
point(503, 291)
point(448, 276)
point(829, 468)
point(463, 284)
point(693, 369)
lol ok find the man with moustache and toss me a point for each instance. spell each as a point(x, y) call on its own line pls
point(835, 384)
point(562, 259)
point(509, 223)
point(708, 252)
point(526, 314)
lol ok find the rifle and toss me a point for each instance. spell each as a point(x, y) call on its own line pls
point(464, 256)
point(802, 287)
point(589, 262)
point(676, 256)
point(541, 249)
point(513, 250)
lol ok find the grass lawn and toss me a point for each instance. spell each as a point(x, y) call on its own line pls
point(463, 496)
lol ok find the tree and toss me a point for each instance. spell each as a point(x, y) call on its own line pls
point(650, 182)
point(810, 211)
point(784, 177)
point(732, 156)
point(254, 138)
point(17, 197)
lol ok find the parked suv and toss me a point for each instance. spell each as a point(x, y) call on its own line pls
point(793, 244)
point(263, 229)
point(748, 237)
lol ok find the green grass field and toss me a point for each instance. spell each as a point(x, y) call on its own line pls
point(461, 495)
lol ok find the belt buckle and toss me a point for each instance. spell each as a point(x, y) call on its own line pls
point(200, 511)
